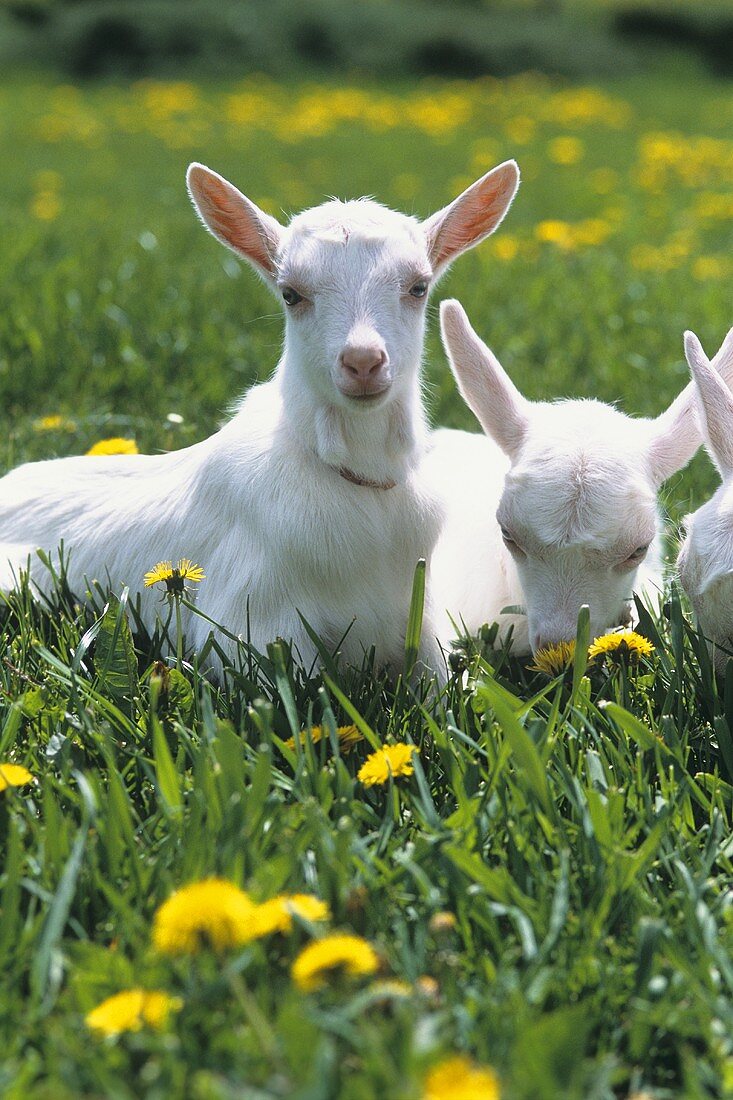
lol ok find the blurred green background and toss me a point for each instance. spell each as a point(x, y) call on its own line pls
point(117, 311)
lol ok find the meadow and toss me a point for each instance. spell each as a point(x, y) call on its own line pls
point(541, 901)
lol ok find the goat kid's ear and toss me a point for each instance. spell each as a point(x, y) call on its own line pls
point(472, 216)
point(234, 219)
point(484, 384)
point(715, 402)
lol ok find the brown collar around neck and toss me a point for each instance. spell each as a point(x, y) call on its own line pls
point(349, 475)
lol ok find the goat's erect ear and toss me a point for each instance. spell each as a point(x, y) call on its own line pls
point(715, 404)
point(484, 384)
point(472, 216)
point(234, 219)
point(675, 436)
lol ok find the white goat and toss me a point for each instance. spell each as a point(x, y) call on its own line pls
point(705, 560)
point(555, 510)
point(308, 499)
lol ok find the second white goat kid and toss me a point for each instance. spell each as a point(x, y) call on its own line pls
point(705, 561)
point(308, 500)
point(554, 508)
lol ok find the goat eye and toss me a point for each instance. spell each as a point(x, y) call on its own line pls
point(510, 542)
point(291, 296)
point(419, 289)
point(637, 555)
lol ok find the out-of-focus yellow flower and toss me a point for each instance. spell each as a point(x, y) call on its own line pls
point(340, 952)
point(390, 760)
point(520, 129)
point(114, 446)
point(566, 150)
point(555, 232)
point(54, 423)
point(46, 206)
point(505, 247)
point(711, 267)
point(131, 1010)
point(348, 736)
point(441, 922)
point(213, 913)
point(14, 775)
point(460, 1079)
point(276, 915)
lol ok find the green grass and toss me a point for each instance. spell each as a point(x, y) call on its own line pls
point(578, 831)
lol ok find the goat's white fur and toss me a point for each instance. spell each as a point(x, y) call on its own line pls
point(705, 561)
point(261, 504)
point(572, 483)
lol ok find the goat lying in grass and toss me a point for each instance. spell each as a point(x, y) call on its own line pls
point(308, 500)
point(705, 560)
point(555, 507)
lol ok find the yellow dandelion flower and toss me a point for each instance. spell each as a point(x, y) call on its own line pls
point(460, 1079)
point(131, 1009)
point(14, 775)
point(348, 736)
point(554, 659)
point(555, 232)
point(175, 577)
point(343, 952)
point(506, 247)
point(444, 921)
point(114, 446)
point(394, 760)
point(566, 150)
point(54, 423)
point(212, 913)
point(427, 987)
point(276, 915)
point(620, 644)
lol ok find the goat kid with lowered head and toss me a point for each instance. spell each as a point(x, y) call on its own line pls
point(555, 507)
point(705, 561)
point(308, 500)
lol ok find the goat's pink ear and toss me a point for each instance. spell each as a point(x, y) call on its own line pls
point(485, 386)
point(715, 401)
point(472, 216)
point(234, 219)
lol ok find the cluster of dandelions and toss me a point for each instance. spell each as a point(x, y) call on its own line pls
point(619, 647)
point(218, 916)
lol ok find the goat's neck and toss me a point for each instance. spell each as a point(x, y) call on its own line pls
point(378, 445)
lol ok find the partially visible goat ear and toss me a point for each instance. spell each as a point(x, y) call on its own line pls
point(715, 404)
point(484, 384)
point(234, 219)
point(472, 216)
point(675, 436)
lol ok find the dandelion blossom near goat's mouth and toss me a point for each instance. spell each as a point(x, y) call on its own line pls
point(14, 775)
point(554, 659)
point(620, 644)
point(212, 913)
point(131, 1009)
point(175, 577)
point(394, 760)
point(460, 1079)
point(115, 446)
point(340, 952)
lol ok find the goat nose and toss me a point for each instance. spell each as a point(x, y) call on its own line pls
point(363, 362)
